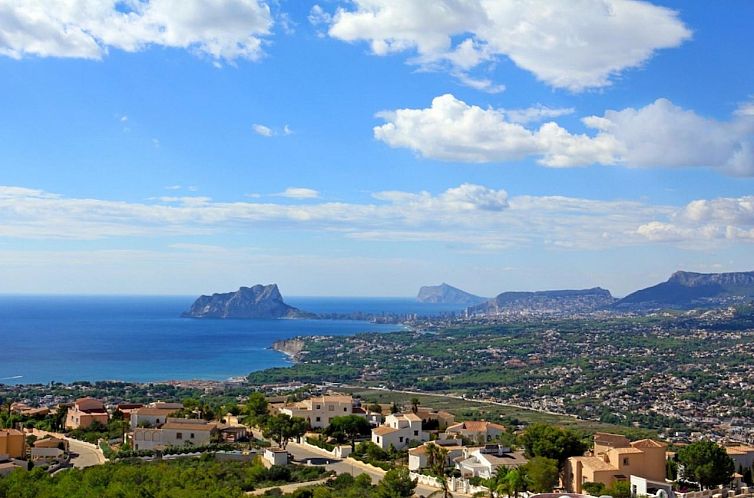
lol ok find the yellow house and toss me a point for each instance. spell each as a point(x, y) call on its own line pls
point(85, 412)
point(12, 443)
point(615, 458)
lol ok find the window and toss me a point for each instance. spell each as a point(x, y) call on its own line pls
point(318, 419)
point(416, 433)
point(319, 407)
point(330, 408)
point(192, 435)
point(345, 409)
point(179, 435)
point(400, 439)
point(625, 460)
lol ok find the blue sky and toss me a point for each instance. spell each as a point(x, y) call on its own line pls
point(373, 146)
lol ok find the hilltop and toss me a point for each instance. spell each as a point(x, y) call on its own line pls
point(259, 301)
point(447, 294)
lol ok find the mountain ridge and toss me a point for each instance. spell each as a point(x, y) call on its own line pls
point(447, 294)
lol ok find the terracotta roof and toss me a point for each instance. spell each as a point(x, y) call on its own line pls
point(384, 429)
point(648, 443)
point(475, 426)
point(629, 450)
point(593, 463)
point(12, 432)
point(188, 426)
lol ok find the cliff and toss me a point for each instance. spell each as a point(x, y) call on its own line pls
point(259, 301)
point(685, 290)
point(447, 294)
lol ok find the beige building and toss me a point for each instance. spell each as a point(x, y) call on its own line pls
point(398, 430)
point(615, 458)
point(418, 457)
point(148, 416)
point(174, 432)
point(12, 443)
point(85, 412)
point(319, 410)
point(742, 456)
point(479, 431)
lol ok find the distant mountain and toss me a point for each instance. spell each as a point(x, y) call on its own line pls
point(546, 302)
point(447, 294)
point(684, 290)
point(259, 301)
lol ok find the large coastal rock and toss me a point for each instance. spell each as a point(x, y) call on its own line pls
point(447, 294)
point(546, 302)
point(686, 290)
point(259, 301)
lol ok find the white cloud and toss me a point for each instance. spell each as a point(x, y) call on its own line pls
point(471, 216)
point(299, 193)
point(262, 130)
point(452, 130)
point(574, 44)
point(705, 220)
point(660, 134)
point(224, 30)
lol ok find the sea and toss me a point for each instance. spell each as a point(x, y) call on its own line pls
point(144, 338)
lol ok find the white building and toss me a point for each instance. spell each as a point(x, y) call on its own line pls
point(479, 431)
point(398, 430)
point(174, 432)
point(276, 456)
point(417, 457)
point(484, 462)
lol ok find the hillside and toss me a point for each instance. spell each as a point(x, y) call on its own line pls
point(546, 302)
point(684, 290)
point(447, 294)
point(259, 301)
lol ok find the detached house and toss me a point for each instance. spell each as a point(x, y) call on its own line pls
point(174, 432)
point(85, 412)
point(615, 458)
point(479, 431)
point(398, 430)
point(319, 410)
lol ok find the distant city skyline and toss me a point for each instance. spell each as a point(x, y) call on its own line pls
point(369, 147)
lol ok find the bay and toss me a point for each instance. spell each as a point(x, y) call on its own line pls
point(144, 339)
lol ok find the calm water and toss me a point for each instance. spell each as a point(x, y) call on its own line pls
point(144, 339)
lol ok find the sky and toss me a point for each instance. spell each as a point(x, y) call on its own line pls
point(368, 147)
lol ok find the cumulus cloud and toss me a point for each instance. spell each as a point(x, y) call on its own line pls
point(705, 220)
point(660, 134)
point(299, 193)
point(573, 44)
point(224, 30)
point(452, 130)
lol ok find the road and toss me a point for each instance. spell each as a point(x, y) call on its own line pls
point(85, 455)
point(301, 453)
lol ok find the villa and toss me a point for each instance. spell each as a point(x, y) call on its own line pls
point(479, 431)
point(12, 443)
point(319, 410)
point(85, 412)
point(615, 458)
point(174, 432)
point(483, 462)
point(398, 430)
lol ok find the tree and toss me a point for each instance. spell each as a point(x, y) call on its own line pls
point(542, 474)
point(280, 428)
point(414, 405)
point(619, 489)
point(350, 426)
point(375, 407)
point(257, 409)
point(396, 483)
point(437, 458)
point(706, 463)
point(541, 440)
point(516, 481)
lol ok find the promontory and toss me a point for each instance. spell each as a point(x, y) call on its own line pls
point(258, 301)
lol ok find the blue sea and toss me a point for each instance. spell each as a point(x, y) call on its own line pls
point(144, 339)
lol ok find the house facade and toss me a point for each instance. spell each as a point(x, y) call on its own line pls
point(484, 461)
point(615, 458)
point(319, 410)
point(12, 443)
point(398, 430)
point(85, 412)
point(478, 431)
point(148, 416)
point(174, 432)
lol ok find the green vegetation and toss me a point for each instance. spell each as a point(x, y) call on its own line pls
point(551, 442)
point(348, 427)
point(280, 428)
point(185, 478)
point(707, 463)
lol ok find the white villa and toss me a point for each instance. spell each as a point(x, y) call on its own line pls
point(398, 430)
point(483, 462)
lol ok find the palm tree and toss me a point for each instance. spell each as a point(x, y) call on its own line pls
point(437, 457)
